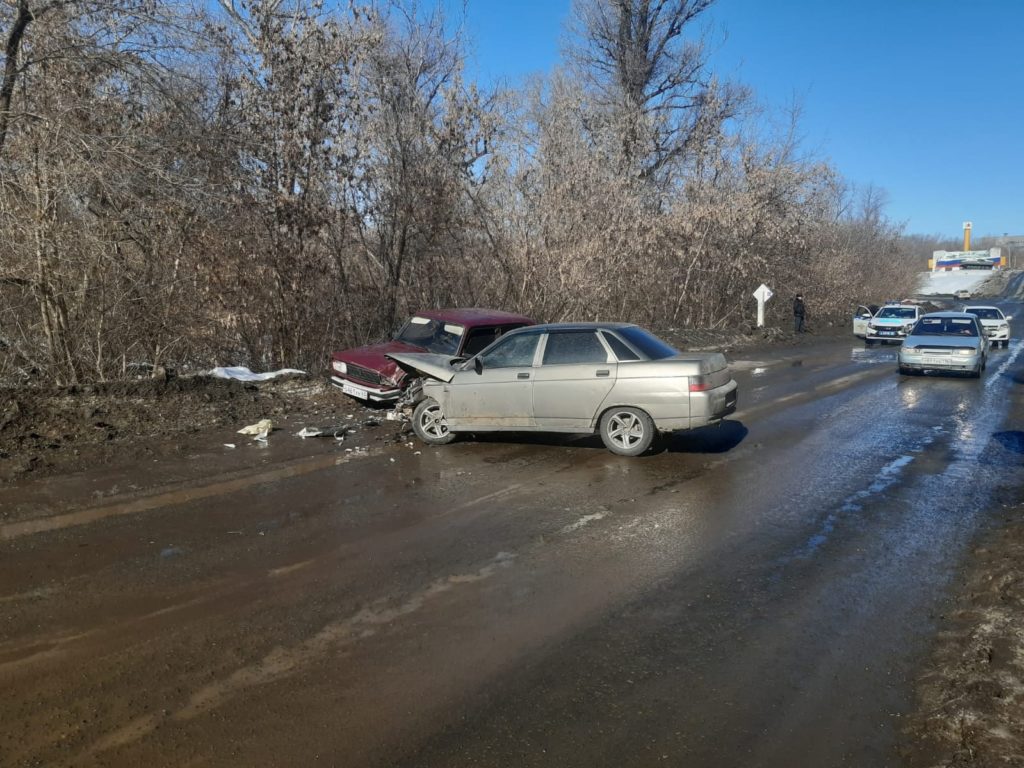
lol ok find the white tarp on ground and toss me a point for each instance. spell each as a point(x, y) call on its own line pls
point(938, 283)
point(240, 373)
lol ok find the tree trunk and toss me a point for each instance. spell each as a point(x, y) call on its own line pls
point(11, 50)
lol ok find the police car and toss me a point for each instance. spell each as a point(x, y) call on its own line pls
point(892, 323)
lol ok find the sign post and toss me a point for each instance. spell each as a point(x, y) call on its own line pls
point(762, 295)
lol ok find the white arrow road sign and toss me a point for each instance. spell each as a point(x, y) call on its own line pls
point(762, 295)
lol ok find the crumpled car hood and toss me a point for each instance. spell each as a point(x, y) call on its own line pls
point(425, 364)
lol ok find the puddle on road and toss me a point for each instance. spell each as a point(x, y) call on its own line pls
point(888, 476)
point(872, 356)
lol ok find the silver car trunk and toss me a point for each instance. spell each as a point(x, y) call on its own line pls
point(710, 365)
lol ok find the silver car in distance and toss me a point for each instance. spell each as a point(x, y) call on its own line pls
point(612, 378)
point(945, 341)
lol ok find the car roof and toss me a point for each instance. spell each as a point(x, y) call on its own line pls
point(900, 306)
point(960, 315)
point(583, 326)
point(473, 316)
point(980, 306)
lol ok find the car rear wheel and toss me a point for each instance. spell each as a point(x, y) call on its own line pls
point(429, 424)
point(627, 431)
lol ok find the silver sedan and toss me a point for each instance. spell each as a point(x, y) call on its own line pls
point(612, 378)
point(945, 341)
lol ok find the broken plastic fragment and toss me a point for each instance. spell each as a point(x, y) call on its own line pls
point(263, 426)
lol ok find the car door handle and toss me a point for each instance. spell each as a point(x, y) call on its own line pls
point(603, 373)
point(522, 375)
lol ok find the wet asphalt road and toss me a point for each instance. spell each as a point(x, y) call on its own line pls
point(758, 594)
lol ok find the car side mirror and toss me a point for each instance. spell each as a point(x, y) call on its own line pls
point(478, 365)
point(865, 317)
point(1009, 318)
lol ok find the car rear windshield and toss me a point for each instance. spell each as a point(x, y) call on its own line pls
point(900, 312)
point(986, 313)
point(946, 326)
point(649, 345)
point(432, 335)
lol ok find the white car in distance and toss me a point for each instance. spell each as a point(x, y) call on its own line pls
point(995, 324)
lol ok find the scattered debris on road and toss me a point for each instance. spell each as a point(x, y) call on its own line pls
point(259, 430)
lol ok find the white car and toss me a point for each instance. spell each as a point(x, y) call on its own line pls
point(995, 323)
point(892, 323)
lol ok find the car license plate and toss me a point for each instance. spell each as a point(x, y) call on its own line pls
point(348, 389)
point(887, 333)
point(933, 360)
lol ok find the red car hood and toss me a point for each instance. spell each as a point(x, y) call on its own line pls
point(372, 356)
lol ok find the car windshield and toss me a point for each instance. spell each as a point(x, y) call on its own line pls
point(898, 312)
point(986, 313)
point(649, 345)
point(432, 335)
point(946, 326)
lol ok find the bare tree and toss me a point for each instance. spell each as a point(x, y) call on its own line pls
point(648, 68)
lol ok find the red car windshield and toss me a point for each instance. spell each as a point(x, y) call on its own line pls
point(432, 335)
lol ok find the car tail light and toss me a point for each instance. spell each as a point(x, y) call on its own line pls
point(910, 348)
point(699, 384)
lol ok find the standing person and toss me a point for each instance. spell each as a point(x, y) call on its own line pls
point(798, 313)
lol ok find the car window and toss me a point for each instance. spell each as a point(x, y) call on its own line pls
point(479, 339)
point(898, 312)
point(649, 345)
point(512, 352)
point(568, 347)
point(986, 313)
point(622, 352)
point(432, 335)
point(946, 326)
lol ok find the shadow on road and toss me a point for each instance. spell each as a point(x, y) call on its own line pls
point(717, 439)
point(1012, 440)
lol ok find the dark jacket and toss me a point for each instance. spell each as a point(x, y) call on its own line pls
point(798, 307)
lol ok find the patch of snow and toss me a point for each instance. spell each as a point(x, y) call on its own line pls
point(938, 283)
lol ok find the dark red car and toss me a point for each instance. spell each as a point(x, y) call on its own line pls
point(365, 373)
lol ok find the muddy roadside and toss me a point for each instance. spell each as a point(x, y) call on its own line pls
point(970, 691)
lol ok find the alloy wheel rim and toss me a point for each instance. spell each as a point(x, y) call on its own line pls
point(625, 429)
point(433, 422)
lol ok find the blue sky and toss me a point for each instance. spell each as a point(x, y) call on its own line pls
point(923, 98)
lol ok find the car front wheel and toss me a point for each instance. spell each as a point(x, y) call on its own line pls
point(429, 424)
point(627, 431)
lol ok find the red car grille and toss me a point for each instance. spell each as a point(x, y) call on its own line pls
point(358, 373)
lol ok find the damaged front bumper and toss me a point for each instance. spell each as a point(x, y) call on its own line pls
point(406, 403)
